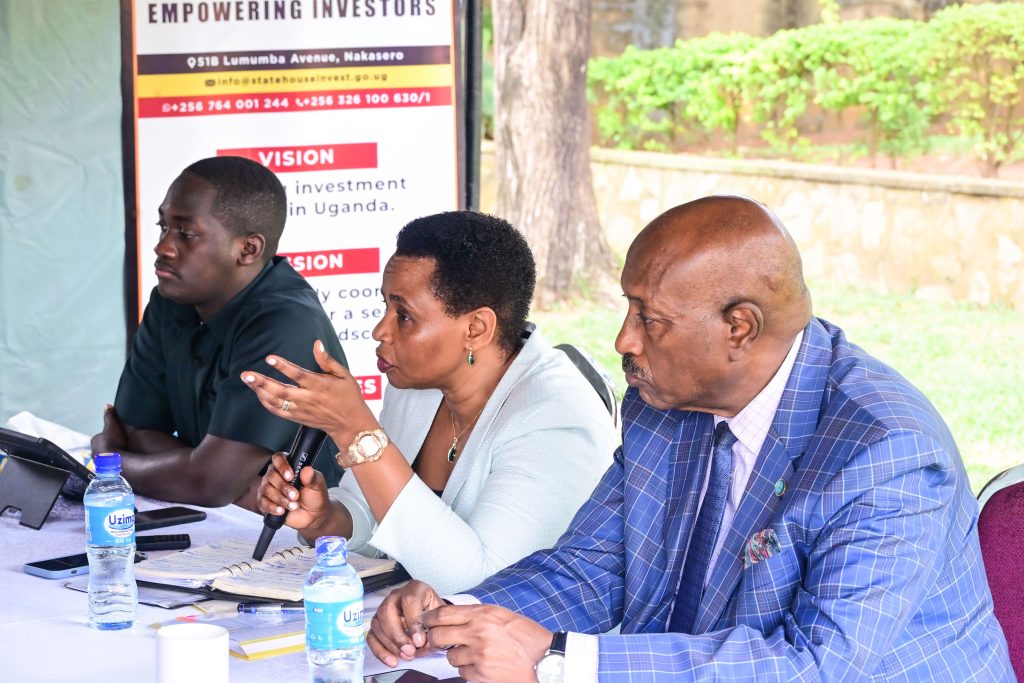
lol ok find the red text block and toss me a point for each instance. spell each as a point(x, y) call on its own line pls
point(294, 159)
point(370, 386)
point(335, 261)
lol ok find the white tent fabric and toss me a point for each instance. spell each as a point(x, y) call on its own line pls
point(62, 339)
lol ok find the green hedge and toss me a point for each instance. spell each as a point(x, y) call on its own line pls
point(964, 68)
point(655, 97)
point(975, 59)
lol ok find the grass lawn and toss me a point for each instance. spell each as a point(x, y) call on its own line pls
point(964, 358)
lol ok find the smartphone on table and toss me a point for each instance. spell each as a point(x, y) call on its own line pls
point(64, 567)
point(156, 519)
point(407, 676)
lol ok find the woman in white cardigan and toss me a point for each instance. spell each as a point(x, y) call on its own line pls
point(488, 442)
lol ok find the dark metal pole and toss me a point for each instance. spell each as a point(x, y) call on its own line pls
point(474, 79)
point(130, 276)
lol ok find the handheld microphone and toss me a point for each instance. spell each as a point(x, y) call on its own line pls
point(307, 442)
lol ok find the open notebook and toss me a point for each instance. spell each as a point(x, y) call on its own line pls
point(228, 568)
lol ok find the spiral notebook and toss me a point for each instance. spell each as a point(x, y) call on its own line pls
point(226, 569)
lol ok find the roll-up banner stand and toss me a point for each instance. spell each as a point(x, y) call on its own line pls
point(356, 105)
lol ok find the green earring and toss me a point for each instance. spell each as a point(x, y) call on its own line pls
point(470, 358)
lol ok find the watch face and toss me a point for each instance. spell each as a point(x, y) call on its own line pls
point(368, 445)
point(550, 668)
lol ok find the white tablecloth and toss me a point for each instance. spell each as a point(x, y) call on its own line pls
point(44, 631)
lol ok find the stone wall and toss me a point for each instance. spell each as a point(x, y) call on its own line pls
point(939, 237)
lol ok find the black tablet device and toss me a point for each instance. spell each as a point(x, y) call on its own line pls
point(40, 450)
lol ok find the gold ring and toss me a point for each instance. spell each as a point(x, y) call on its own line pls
point(286, 405)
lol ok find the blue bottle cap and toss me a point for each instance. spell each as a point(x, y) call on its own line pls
point(332, 548)
point(107, 463)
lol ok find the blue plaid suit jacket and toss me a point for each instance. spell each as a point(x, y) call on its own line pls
point(880, 574)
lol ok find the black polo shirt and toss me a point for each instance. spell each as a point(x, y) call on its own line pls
point(183, 375)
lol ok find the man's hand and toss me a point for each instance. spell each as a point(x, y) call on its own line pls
point(395, 630)
point(488, 644)
point(114, 437)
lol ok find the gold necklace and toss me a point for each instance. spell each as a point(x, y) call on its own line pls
point(453, 452)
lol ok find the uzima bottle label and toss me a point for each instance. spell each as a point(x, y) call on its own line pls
point(333, 626)
point(106, 526)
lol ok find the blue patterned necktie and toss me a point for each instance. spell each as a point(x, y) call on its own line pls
point(705, 533)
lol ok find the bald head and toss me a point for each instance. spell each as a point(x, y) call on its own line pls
point(717, 295)
point(729, 250)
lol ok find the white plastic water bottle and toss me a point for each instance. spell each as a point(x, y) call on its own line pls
point(333, 595)
point(110, 543)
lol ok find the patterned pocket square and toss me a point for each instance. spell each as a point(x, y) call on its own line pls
point(761, 546)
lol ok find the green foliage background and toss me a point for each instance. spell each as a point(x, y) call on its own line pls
point(964, 70)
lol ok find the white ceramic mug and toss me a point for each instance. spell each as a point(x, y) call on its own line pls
point(188, 653)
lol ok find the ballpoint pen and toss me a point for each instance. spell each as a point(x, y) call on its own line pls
point(270, 608)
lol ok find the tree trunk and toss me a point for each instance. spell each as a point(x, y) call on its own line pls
point(542, 145)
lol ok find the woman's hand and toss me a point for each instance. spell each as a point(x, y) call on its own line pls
point(308, 507)
point(331, 401)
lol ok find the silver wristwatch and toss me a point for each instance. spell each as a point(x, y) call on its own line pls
point(551, 667)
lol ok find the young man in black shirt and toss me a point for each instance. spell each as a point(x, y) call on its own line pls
point(187, 429)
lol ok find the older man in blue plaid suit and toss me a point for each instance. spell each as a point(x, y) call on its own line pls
point(784, 507)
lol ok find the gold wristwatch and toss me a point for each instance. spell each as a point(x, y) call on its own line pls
point(368, 446)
